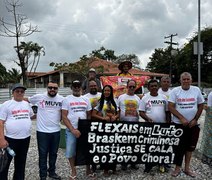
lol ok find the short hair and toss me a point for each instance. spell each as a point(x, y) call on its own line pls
point(152, 81)
point(130, 81)
point(165, 78)
point(91, 80)
point(52, 81)
point(185, 74)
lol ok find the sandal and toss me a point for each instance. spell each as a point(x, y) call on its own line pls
point(92, 175)
point(190, 173)
point(73, 177)
point(175, 173)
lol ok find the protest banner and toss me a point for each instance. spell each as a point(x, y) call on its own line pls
point(127, 142)
point(119, 83)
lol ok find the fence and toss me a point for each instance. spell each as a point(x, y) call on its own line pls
point(5, 93)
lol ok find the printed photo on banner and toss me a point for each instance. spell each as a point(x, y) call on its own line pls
point(119, 83)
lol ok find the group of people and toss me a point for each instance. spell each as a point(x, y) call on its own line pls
point(15, 120)
point(182, 105)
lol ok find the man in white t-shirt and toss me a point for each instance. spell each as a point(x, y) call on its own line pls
point(154, 109)
point(93, 95)
point(128, 104)
point(154, 106)
point(15, 119)
point(165, 86)
point(75, 107)
point(48, 128)
point(186, 105)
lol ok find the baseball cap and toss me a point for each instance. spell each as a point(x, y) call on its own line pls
point(18, 85)
point(76, 83)
point(92, 70)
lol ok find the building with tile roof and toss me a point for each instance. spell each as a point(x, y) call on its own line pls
point(64, 77)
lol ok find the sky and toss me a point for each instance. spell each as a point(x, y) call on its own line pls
point(73, 28)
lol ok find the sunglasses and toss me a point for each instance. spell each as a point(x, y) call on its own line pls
point(132, 87)
point(19, 91)
point(51, 87)
point(76, 86)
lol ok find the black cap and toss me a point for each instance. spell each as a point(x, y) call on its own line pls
point(76, 82)
point(18, 85)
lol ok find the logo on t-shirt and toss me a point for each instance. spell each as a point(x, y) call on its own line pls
point(50, 104)
point(20, 114)
point(157, 102)
point(131, 108)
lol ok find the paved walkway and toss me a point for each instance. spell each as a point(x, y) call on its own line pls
point(32, 173)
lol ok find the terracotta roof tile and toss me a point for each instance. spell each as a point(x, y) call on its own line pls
point(112, 69)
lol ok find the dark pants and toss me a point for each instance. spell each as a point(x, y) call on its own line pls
point(48, 144)
point(20, 146)
point(189, 143)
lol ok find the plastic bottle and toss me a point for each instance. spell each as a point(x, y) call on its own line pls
point(10, 151)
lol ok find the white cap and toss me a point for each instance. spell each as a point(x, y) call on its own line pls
point(92, 70)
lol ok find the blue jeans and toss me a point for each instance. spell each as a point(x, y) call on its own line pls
point(20, 146)
point(71, 141)
point(48, 144)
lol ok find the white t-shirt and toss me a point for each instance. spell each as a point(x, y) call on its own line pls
point(166, 93)
point(210, 99)
point(49, 112)
point(128, 106)
point(93, 98)
point(186, 102)
point(155, 107)
point(17, 118)
point(77, 108)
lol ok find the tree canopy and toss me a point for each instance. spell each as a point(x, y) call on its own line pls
point(18, 28)
point(82, 65)
point(8, 76)
point(185, 60)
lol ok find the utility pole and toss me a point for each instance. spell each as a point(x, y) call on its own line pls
point(170, 44)
point(198, 47)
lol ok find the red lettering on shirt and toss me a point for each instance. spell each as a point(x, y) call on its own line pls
point(20, 111)
point(185, 99)
point(78, 103)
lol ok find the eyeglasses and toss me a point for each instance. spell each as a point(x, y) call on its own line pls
point(19, 91)
point(51, 87)
point(132, 87)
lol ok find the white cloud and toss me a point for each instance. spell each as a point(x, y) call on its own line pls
point(73, 28)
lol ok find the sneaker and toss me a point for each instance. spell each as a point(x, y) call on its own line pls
point(54, 176)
